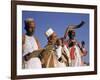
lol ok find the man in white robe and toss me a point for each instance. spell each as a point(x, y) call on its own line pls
point(30, 44)
point(73, 45)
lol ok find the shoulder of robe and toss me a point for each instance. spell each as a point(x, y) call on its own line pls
point(39, 46)
point(49, 47)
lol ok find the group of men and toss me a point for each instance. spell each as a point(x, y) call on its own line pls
point(58, 52)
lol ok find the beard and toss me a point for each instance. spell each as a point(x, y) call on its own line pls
point(30, 32)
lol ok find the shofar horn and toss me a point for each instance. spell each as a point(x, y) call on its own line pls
point(79, 25)
point(73, 27)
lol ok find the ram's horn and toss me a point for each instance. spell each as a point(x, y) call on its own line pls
point(73, 27)
point(78, 26)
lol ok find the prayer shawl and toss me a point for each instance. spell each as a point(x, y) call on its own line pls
point(63, 54)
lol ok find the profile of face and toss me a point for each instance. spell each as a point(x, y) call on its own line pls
point(30, 27)
point(53, 38)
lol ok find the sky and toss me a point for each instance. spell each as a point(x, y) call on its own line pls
point(58, 21)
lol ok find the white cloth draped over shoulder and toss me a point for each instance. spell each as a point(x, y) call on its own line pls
point(29, 46)
point(59, 54)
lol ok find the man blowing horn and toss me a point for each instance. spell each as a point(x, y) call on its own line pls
point(72, 44)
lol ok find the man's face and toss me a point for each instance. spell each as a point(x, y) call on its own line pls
point(31, 27)
point(71, 34)
point(54, 38)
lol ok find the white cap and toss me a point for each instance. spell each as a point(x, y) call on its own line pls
point(49, 32)
point(29, 20)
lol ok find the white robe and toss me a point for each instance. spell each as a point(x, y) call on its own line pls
point(29, 46)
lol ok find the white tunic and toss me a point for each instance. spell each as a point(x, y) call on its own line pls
point(29, 46)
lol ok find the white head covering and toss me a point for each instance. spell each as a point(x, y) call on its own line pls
point(29, 20)
point(49, 32)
